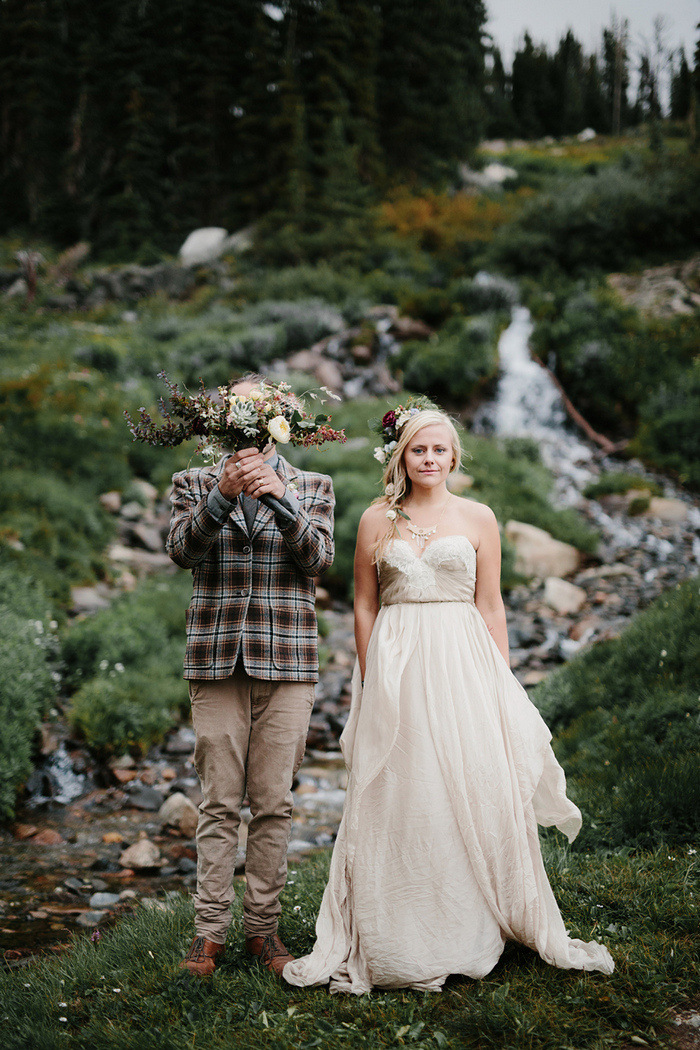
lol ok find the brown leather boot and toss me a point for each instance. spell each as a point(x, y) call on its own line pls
point(270, 951)
point(202, 957)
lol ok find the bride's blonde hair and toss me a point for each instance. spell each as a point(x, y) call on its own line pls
point(397, 484)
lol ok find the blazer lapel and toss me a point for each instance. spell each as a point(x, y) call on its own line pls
point(237, 512)
point(264, 515)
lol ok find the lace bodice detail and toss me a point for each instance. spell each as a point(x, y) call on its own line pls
point(446, 572)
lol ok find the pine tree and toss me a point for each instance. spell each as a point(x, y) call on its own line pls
point(430, 82)
point(681, 88)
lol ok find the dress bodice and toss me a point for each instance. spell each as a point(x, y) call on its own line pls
point(445, 572)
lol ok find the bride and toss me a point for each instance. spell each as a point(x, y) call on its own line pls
point(437, 861)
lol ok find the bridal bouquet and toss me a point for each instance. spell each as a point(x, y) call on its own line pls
point(270, 412)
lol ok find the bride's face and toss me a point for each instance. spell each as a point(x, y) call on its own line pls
point(428, 456)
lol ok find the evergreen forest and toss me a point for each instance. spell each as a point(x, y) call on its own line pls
point(129, 122)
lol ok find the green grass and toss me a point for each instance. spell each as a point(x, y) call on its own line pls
point(127, 993)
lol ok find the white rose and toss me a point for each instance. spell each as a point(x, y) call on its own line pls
point(255, 395)
point(279, 430)
point(391, 515)
point(379, 454)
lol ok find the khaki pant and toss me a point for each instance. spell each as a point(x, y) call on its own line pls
point(250, 738)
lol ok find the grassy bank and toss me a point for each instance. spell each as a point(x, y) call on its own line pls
point(126, 992)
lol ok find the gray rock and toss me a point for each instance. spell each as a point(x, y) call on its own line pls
point(90, 918)
point(538, 553)
point(203, 245)
point(181, 742)
point(111, 501)
point(565, 598)
point(104, 900)
point(148, 536)
point(143, 797)
point(132, 511)
point(89, 599)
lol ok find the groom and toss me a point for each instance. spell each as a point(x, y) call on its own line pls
point(251, 661)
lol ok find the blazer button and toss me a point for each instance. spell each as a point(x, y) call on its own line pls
point(246, 550)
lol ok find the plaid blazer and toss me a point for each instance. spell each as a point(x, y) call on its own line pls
point(252, 594)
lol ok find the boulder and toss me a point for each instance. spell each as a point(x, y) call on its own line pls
point(538, 553)
point(148, 536)
point(111, 501)
point(143, 854)
point(565, 598)
point(327, 373)
point(89, 599)
point(203, 245)
point(177, 811)
point(410, 328)
point(667, 509)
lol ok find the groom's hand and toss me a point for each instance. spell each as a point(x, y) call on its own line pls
point(246, 471)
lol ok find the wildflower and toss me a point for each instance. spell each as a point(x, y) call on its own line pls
point(119, 667)
point(104, 664)
point(664, 653)
point(279, 429)
point(94, 937)
point(330, 393)
point(63, 1018)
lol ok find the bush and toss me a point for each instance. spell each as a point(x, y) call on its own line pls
point(618, 484)
point(456, 364)
point(125, 665)
point(625, 717)
point(614, 218)
point(26, 684)
point(52, 529)
point(626, 372)
point(131, 711)
point(143, 631)
point(669, 436)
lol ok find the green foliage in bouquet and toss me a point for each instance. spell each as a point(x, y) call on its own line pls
point(625, 715)
point(266, 414)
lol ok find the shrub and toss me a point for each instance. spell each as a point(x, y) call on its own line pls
point(625, 371)
point(619, 483)
point(129, 712)
point(456, 364)
point(53, 529)
point(614, 218)
point(125, 666)
point(669, 436)
point(625, 714)
point(26, 684)
point(143, 631)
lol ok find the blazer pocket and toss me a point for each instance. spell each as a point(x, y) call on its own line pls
point(202, 623)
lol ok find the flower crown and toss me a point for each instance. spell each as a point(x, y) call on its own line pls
point(389, 427)
point(268, 412)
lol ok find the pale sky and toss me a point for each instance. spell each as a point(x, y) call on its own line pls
point(548, 20)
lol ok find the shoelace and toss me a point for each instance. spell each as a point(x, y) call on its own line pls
point(271, 949)
point(196, 952)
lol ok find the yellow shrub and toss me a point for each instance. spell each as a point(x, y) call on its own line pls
point(440, 222)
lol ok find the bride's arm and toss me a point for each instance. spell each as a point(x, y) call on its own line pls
point(488, 597)
point(366, 585)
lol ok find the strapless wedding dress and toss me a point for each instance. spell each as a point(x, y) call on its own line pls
point(437, 861)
